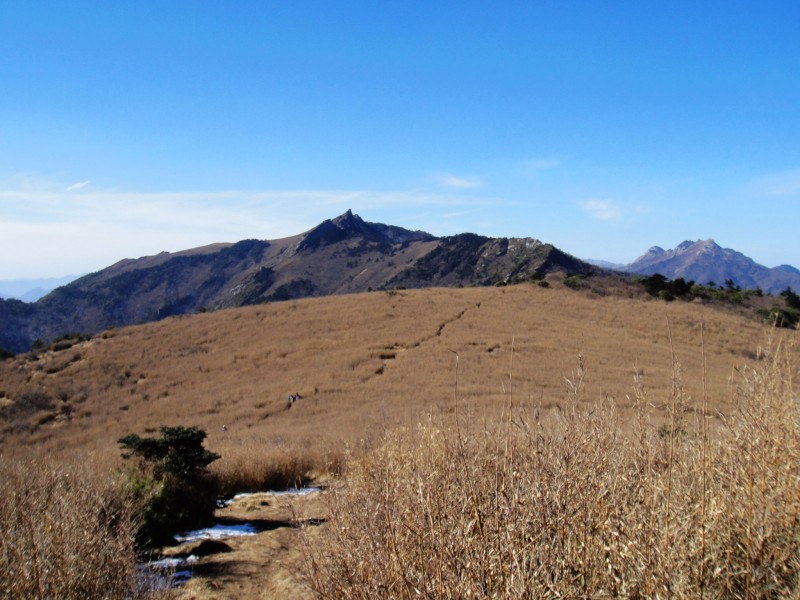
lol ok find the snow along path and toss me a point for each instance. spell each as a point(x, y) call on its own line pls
point(269, 564)
point(216, 532)
point(223, 531)
point(305, 491)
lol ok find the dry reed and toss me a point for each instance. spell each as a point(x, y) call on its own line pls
point(577, 506)
point(64, 533)
point(256, 467)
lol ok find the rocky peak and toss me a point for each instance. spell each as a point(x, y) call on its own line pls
point(331, 231)
point(787, 269)
point(350, 223)
point(705, 260)
point(653, 253)
point(349, 226)
point(708, 246)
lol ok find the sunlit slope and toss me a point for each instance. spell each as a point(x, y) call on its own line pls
point(364, 362)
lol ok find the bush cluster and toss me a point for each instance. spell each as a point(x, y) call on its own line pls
point(170, 483)
point(576, 281)
point(20, 413)
point(659, 286)
point(787, 316)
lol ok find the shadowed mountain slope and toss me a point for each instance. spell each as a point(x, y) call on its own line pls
point(341, 255)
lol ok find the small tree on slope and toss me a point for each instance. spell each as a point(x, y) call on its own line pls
point(170, 482)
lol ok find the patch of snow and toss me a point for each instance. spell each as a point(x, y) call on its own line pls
point(161, 574)
point(305, 491)
point(217, 532)
point(173, 563)
point(296, 491)
point(237, 497)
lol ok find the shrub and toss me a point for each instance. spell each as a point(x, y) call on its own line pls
point(179, 451)
point(170, 483)
point(781, 317)
point(660, 287)
point(27, 404)
point(30, 402)
point(575, 282)
point(65, 533)
point(666, 295)
point(792, 299)
point(67, 340)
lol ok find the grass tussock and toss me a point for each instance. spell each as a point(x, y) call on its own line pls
point(255, 467)
point(65, 534)
point(578, 506)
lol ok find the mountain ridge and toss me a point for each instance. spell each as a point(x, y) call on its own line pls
point(705, 261)
point(341, 255)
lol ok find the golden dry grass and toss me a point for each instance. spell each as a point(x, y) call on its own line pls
point(65, 533)
point(367, 364)
point(361, 364)
point(575, 507)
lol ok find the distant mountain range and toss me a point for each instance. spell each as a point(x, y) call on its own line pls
point(704, 261)
point(30, 290)
point(341, 255)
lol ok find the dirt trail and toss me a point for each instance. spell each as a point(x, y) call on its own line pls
point(266, 565)
point(391, 352)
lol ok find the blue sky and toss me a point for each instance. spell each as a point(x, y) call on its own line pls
point(128, 128)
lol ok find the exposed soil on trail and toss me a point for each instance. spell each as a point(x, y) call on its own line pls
point(266, 565)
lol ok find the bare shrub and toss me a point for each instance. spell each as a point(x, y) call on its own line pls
point(30, 402)
point(64, 534)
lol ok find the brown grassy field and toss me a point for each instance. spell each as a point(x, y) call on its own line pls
point(361, 363)
point(571, 507)
point(370, 363)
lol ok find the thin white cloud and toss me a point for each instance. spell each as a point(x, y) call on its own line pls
point(77, 186)
point(461, 183)
point(602, 210)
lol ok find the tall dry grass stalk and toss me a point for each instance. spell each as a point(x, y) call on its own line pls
point(577, 506)
point(64, 533)
point(255, 467)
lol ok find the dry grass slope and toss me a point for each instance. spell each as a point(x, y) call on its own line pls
point(573, 507)
point(522, 483)
point(361, 363)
